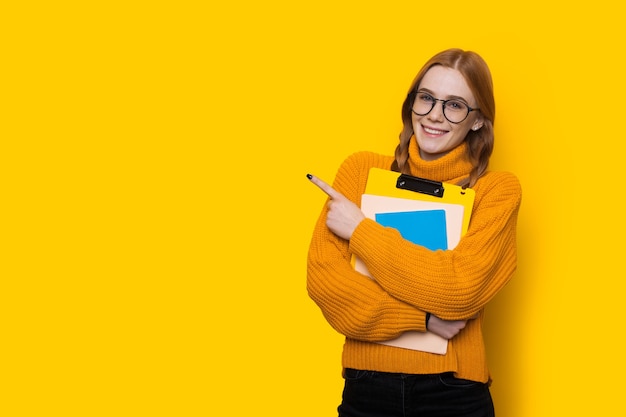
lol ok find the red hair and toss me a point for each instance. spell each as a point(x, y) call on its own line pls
point(478, 78)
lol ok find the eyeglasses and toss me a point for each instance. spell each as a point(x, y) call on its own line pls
point(454, 110)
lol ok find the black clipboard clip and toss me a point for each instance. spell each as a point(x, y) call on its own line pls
point(420, 185)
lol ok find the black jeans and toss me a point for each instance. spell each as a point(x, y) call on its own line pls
point(380, 394)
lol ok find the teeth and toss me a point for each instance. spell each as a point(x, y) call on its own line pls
point(434, 132)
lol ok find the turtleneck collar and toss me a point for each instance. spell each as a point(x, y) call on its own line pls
point(452, 167)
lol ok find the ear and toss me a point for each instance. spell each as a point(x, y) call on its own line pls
point(478, 124)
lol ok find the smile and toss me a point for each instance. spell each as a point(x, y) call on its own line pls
point(431, 131)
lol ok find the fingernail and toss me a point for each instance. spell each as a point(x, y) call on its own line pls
point(309, 176)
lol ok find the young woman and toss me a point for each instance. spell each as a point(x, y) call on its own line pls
point(448, 118)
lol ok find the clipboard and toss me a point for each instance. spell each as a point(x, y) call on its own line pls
point(428, 213)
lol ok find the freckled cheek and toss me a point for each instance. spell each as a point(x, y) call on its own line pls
point(416, 122)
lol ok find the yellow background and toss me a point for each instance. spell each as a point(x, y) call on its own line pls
point(156, 214)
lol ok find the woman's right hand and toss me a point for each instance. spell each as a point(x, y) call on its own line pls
point(444, 328)
point(343, 215)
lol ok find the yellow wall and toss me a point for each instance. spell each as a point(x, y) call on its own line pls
point(157, 215)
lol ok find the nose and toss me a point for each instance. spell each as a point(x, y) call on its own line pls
point(436, 114)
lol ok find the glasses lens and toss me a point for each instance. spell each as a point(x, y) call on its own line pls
point(455, 111)
point(423, 104)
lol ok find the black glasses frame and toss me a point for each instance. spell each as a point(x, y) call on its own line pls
point(443, 107)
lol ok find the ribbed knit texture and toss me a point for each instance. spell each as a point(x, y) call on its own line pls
point(411, 280)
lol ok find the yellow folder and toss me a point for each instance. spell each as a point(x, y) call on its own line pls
point(385, 183)
point(430, 213)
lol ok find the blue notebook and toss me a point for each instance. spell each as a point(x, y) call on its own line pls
point(425, 227)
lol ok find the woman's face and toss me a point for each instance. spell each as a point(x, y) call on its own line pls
point(435, 134)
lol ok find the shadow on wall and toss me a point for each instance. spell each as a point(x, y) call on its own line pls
point(504, 331)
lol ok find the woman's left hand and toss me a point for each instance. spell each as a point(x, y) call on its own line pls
point(445, 328)
point(343, 215)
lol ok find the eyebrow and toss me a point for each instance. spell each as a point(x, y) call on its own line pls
point(450, 97)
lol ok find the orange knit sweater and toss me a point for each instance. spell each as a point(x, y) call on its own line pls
point(411, 280)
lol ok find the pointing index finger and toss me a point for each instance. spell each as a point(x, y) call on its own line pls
point(330, 191)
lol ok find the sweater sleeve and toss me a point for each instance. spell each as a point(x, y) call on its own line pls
point(354, 304)
point(452, 284)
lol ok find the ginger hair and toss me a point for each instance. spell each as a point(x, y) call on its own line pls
point(478, 78)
